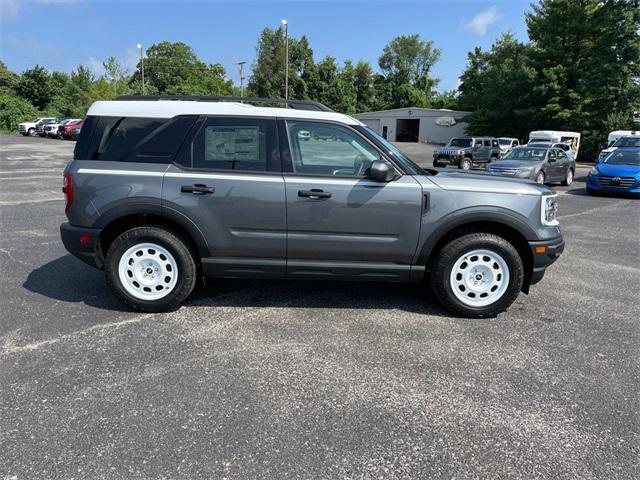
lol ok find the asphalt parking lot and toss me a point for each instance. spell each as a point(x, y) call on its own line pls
point(313, 379)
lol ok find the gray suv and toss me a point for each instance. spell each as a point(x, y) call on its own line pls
point(467, 152)
point(163, 191)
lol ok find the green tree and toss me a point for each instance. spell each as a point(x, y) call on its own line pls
point(35, 87)
point(8, 79)
point(587, 54)
point(267, 76)
point(174, 68)
point(406, 63)
point(497, 87)
point(13, 110)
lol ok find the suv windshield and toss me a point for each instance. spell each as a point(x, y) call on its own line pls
point(394, 151)
point(504, 141)
point(527, 154)
point(460, 142)
point(623, 158)
point(627, 142)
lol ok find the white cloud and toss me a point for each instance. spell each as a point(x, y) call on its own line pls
point(481, 22)
point(95, 66)
point(8, 10)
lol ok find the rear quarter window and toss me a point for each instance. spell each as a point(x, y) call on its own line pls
point(132, 139)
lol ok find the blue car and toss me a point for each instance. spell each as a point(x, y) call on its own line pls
point(618, 172)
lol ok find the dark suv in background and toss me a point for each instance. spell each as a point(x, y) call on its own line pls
point(467, 152)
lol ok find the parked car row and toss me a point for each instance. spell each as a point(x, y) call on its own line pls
point(65, 128)
point(549, 156)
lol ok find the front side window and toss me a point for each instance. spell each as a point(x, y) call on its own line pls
point(552, 154)
point(326, 149)
point(234, 144)
point(487, 143)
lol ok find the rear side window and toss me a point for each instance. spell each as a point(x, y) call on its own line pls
point(115, 137)
point(163, 143)
point(235, 144)
point(82, 145)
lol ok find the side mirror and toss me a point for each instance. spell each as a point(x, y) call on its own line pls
point(598, 159)
point(380, 171)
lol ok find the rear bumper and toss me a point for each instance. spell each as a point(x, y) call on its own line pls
point(82, 243)
point(553, 248)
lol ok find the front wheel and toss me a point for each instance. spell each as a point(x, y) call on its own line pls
point(31, 132)
point(150, 269)
point(477, 275)
point(465, 164)
point(540, 178)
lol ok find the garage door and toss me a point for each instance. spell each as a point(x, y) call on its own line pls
point(373, 124)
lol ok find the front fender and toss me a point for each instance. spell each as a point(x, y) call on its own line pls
point(471, 215)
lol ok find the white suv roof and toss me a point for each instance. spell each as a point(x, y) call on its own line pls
point(171, 108)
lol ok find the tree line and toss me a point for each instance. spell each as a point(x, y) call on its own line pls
point(579, 70)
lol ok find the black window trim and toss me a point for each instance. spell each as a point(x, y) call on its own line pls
point(199, 125)
point(285, 150)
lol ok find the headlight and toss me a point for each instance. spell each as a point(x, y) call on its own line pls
point(549, 210)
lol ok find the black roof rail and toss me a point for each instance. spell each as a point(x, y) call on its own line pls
point(295, 104)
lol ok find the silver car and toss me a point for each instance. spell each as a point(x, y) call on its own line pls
point(537, 163)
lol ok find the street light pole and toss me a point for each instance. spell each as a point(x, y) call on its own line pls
point(241, 78)
point(286, 58)
point(142, 65)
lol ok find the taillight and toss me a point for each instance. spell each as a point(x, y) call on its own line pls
point(67, 189)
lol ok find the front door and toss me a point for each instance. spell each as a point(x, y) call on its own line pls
point(339, 223)
point(229, 184)
point(555, 168)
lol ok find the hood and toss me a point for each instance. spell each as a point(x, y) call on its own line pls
point(515, 164)
point(479, 182)
point(618, 170)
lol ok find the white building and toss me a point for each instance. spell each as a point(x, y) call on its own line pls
point(416, 124)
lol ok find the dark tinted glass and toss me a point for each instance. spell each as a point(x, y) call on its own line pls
point(163, 145)
point(82, 145)
point(235, 144)
point(119, 138)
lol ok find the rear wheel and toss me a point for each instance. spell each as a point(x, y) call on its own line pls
point(477, 275)
point(465, 164)
point(568, 180)
point(150, 269)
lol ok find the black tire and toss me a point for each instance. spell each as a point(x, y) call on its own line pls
point(465, 164)
point(31, 132)
point(568, 180)
point(449, 255)
point(182, 253)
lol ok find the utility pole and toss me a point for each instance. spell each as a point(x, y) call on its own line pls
point(241, 78)
point(141, 65)
point(286, 58)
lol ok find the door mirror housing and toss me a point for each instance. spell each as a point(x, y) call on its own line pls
point(381, 171)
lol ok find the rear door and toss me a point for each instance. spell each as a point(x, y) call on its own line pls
point(227, 181)
point(339, 223)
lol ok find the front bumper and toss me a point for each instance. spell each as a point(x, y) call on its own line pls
point(544, 253)
point(82, 243)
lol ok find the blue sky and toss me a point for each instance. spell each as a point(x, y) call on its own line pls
point(60, 34)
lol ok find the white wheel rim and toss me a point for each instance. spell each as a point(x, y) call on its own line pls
point(479, 278)
point(148, 271)
point(466, 165)
point(540, 178)
point(569, 177)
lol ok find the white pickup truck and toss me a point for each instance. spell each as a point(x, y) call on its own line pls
point(29, 129)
